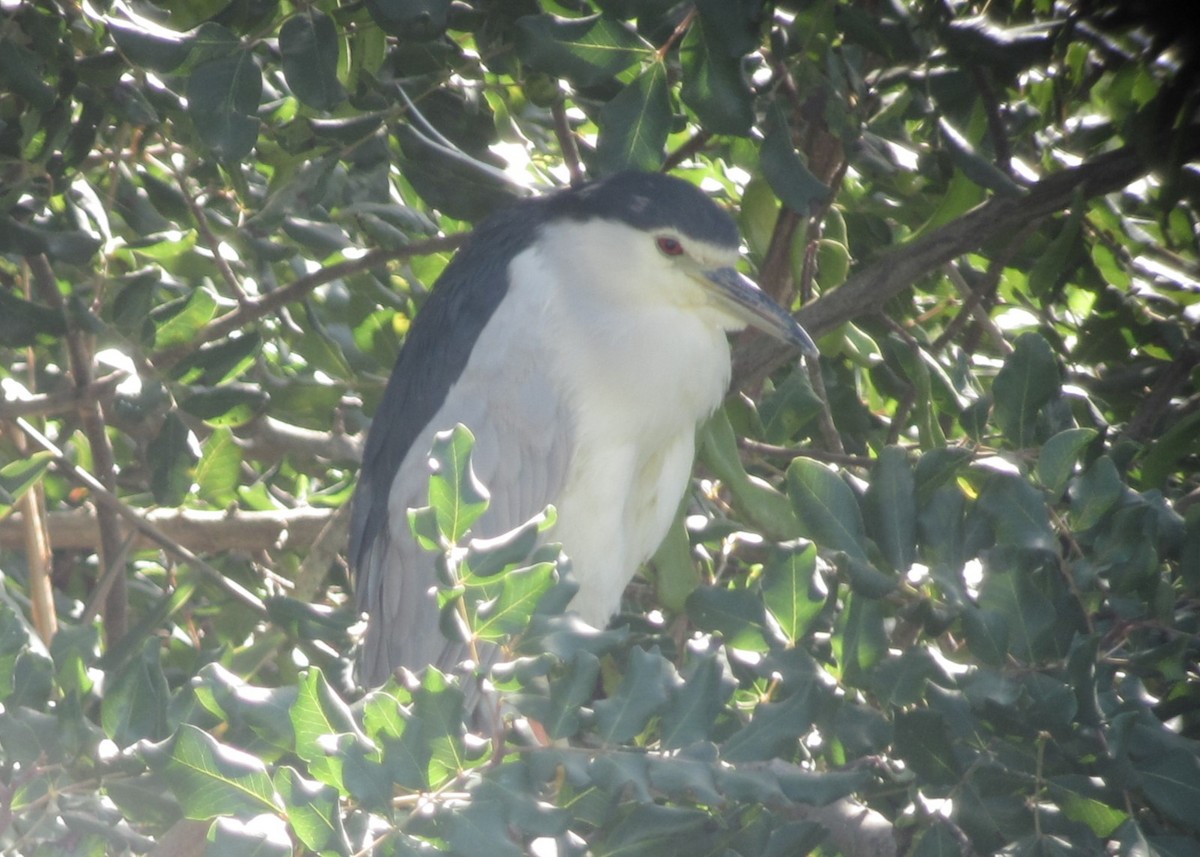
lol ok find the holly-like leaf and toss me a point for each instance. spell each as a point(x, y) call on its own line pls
point(210, 779)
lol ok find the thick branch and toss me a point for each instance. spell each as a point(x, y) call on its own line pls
point(202, 532)
point(895, 271)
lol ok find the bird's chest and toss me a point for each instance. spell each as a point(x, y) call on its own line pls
point(644, 379)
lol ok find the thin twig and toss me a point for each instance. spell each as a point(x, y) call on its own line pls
point(775, 451)
point(213, 243)
point(107, 499)
point(256, 307)
point(568, 146)
point(79, 359)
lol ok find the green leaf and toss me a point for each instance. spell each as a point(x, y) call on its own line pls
point(1169, 452)
point(145, 44)
point(183, 319)
point(1018, 513)
point(19, 476)
point(713, 83)
point(762, 505)
point(865, 579)
point(696, 705)
point(308, 47)
point(643, 692)
point(1051, 265)
point(1028, 380)
point(230, 404)
point(211, 779)
point(1056, 461)
point(635, 124)
point(569, 693)
point(986, 632)
point(439, 706)
point(135, 699)
point(24, 323)
point(775, 727)
point(223, 96)
point(783, 169)
point(1028, 616)
point(260, 714)
point(318, 712)
point(899, 681)
point(509, 611)
point(891, 508)
point(264, 836)
point(827, 508)
point(923, 741)
point(585, 51)
point(218, 473)
point(736, 614)
point(171, 456)
point(1171, 783)
point(1094, 493)
point(312, 811)
point(792, 591)
point(456, 496)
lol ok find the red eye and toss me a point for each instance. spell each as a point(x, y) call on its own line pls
point(669, 246)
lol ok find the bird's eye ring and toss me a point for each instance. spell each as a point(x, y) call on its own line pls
point(669, 246)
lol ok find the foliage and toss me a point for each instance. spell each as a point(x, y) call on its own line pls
point(977, 633)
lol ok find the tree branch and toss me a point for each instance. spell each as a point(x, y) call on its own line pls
point(255, 308)
point(898, 269)
point(199, 531)
point(79, 359)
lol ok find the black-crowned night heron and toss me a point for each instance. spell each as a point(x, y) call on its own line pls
point(581, 337)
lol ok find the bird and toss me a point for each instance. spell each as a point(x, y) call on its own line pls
point(582, 337)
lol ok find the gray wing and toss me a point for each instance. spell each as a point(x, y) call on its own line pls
point(524, 436)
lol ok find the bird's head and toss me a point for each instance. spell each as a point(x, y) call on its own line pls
point(659, 240)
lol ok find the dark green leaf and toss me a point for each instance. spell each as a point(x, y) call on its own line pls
point(1094, 493)
point(713, 84)
point(635, 124)
point(775, 727)
point(695, 706)
point(156, 48)
point(223, 96)
point(230, 404)
point(787, 174)
point(643, 692)
point(586, 51)
point(171, 455)
point(925, 744)
point(135, 699)
point(1026, 383)
point(891, 508)
point(736, 614)
point(1017, 513)
point(827, 508)
point(308, 45)
point(1056, 461)
point(24, 323)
